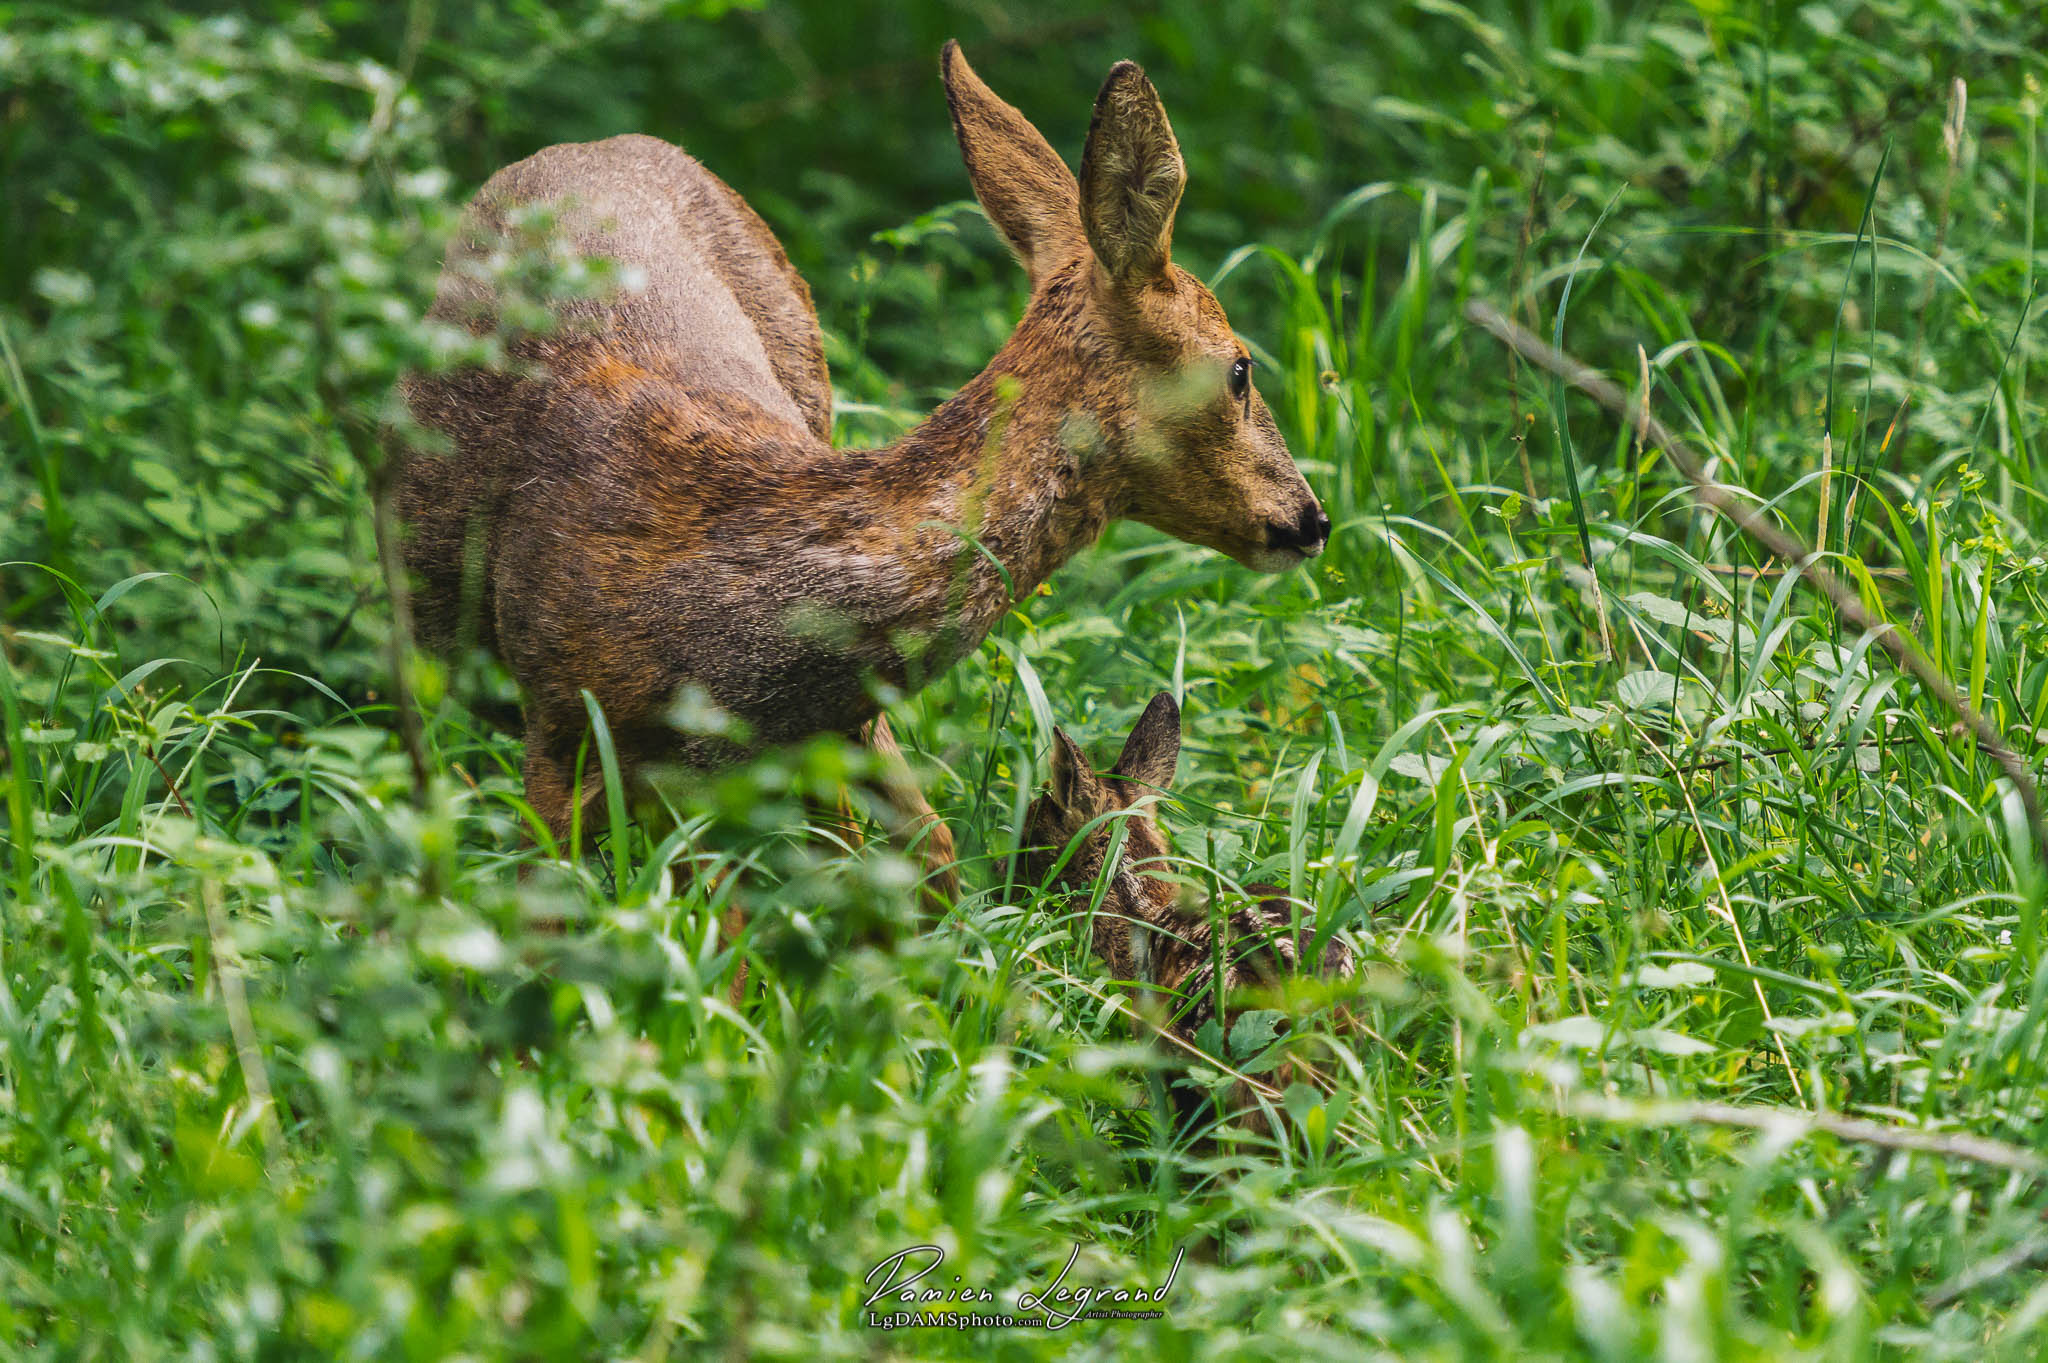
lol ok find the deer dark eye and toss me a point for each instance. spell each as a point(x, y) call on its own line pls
point(1241, 377)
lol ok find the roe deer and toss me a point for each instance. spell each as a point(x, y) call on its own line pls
point(1139, 930)
point(651, 500)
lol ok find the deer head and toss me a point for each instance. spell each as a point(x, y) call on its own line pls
point(1140, 930)
point(1078, 804)
point(1167, 399)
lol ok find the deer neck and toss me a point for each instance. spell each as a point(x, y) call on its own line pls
point(1016, 468)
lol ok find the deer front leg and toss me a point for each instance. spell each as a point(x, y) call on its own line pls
point(917, 826)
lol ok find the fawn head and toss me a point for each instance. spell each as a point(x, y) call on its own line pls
point(1140, 932)
point(1165, 379)
point(1076, 797)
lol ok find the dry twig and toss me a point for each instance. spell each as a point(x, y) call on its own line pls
point(1960, 1145)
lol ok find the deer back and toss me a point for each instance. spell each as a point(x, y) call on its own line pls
point(709, 297)
point(706, 298)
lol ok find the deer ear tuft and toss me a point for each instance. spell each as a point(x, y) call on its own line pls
point(1131, 178)
point(1024, 187)
point(1153, 750)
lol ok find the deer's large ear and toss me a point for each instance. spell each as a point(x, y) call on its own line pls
point(1024, 187)
point(1131, 178)
point(1073, 781)
point(1153, 750)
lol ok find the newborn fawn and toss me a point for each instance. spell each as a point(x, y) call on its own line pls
point(1141, 932)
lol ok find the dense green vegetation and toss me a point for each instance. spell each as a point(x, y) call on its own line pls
point(1700, 1014)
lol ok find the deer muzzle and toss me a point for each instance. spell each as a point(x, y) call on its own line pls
point(1305, 535)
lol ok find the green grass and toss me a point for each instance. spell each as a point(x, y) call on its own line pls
point(1699, 1013)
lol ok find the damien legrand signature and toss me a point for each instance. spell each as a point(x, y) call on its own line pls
point(903, 1281)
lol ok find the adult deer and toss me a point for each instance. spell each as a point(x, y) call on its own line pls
point(650, 501)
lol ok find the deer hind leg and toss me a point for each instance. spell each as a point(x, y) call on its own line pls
point(547, 788)
point(553, 792)
point(839, 816)
point(917, 827)
point(550, 791)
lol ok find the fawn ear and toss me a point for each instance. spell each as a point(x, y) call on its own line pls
point(1153, 750)
point(1072, 780)
point(1131, 178)
point(1024, 187)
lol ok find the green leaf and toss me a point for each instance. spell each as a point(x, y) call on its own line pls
point(1299, 1100)
point(1254, 1030)
point(1579, 1032)
point(1679, 975)
point(1666, 1042)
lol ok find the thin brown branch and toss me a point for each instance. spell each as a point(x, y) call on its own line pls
point(377, 462)
point(378, 465)
point(1518, 429)
point(171, 782)
point(400, 648)
point(1960, 1145)
point(1728, 502)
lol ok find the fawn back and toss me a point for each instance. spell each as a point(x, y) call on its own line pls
point(1140, 931)
point(645, 500)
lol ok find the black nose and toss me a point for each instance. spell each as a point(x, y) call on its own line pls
point(1305, 535)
